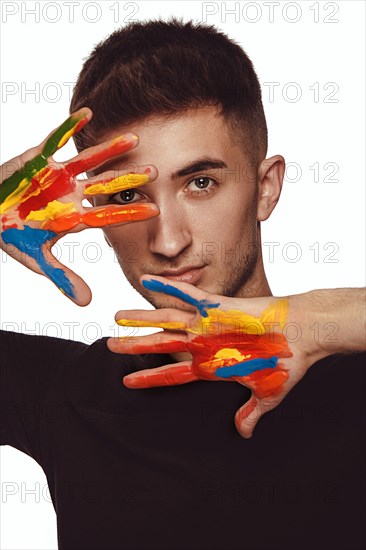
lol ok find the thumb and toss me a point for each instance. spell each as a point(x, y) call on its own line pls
point(66, 280)
point(32, 248)
point(248, 416)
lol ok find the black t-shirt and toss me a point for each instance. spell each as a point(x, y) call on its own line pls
point(165, 469)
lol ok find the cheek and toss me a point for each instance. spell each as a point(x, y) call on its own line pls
point(127, 242)
point(222, 221)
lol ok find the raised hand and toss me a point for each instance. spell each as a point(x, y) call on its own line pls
point(232, 339)
point(41, 200)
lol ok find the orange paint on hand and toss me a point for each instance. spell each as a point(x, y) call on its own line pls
point(101, 217)
point(114, 215)
point(228, 345)
point(266, 382)
point(168, 376)
point(244, 412)
point(63, 223)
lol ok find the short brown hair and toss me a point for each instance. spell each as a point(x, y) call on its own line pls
point(166, 67)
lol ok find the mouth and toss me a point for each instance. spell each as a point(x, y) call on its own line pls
point(186, 274)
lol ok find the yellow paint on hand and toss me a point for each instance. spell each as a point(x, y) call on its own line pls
point(53, 210)
point(276, 313)
point(14, 197)
point(68, 134)
point(234, 320)
point(173, 325)
point(231, 353)
point(273, 317)
point(120, 183)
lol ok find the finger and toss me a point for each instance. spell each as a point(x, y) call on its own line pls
point(183, 291)
point(32, 247)
point(20, 179)
point(116, 215)
point(248, 416)
point(102, 217)
point(13, 165)
point(160, 342)
point(115, 184)
point(169, 375)
point(169, 318)
point(59, 137)
point(68, 282)
point(99, 154)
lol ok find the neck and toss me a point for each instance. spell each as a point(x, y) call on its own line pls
point(257, 285)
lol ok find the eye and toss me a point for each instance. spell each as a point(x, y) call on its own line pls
point(125, 197)
point(202, 185)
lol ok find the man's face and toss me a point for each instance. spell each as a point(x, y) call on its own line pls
point(207, 232)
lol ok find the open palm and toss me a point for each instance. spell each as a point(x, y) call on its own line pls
point(232, 339)
point(41, 200)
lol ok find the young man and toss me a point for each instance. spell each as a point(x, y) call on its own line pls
point(164, 468)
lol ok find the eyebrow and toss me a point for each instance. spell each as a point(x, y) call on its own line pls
point(199, 165)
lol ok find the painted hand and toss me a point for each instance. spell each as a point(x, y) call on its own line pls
point(231, 339)
point(41, 201)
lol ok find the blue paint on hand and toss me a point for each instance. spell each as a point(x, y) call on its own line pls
point(246, 367)
point(30, 241)
point(170, 290)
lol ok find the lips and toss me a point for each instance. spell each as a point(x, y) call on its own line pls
point(187, 274)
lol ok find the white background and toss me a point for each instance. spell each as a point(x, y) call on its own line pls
point(311, 54)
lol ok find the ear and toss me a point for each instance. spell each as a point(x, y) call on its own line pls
point(271, 173)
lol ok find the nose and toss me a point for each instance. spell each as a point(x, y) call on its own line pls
point(170, 234)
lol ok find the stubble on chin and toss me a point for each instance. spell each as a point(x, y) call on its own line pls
point(237, 279)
